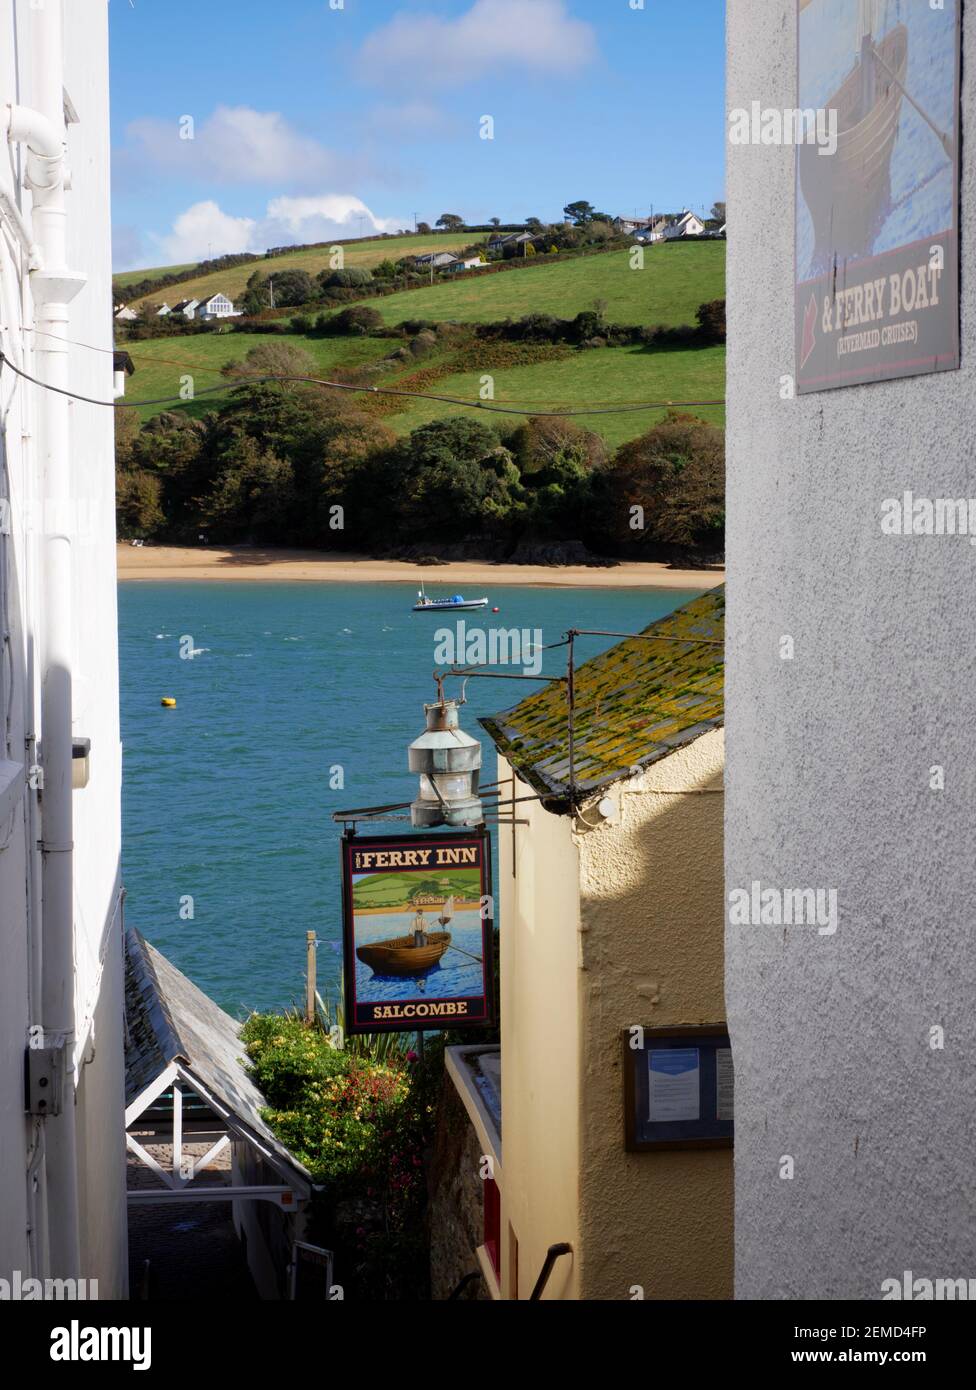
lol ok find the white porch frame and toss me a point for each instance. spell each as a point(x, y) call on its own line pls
point(183, 1168)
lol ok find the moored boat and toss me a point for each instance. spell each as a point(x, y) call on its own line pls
point(457, 603)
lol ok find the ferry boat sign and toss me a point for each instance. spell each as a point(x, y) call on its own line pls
point(877, 225)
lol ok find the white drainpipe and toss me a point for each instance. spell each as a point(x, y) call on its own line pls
point(53, 286)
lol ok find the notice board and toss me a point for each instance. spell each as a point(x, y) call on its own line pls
point(678, 1088)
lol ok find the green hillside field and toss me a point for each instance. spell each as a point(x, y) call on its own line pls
point(393, 890)
point(161, 362)
point(132, 277)
point(676, 278)
point(674, 281)
point(367, 254)
point(601, 376)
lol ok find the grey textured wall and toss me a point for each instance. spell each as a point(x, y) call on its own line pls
point(828, 768)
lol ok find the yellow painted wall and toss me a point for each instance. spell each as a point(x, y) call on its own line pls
point(538, 920)
point(652, 926)
point(600, 930)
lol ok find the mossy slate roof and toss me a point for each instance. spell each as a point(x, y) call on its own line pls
point(635, 704)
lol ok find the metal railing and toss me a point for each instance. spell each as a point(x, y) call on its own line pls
point(552, 1255)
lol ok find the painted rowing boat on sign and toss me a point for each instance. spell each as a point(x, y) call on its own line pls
point(400, 955)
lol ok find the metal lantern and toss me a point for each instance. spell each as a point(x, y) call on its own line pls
point(448, 761)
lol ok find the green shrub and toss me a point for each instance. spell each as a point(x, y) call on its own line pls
point(360, 1126)
point(711, 321)
point(358, 319)
point(348, 279)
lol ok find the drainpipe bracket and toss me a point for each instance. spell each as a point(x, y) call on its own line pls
point(50, 166)
point(56, 286)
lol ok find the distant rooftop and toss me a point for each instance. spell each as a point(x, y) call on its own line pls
point(635, 704)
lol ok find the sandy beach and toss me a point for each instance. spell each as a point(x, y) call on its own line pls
point(153, 562)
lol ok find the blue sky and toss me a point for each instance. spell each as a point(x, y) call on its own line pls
point(314, 119)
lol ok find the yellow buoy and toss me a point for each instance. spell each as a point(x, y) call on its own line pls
point(168, 701)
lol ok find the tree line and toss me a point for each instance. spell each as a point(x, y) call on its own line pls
point(296, 465)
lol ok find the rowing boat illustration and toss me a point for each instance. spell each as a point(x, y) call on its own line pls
point(399, 955)
point(847, 190)
point(413, 954)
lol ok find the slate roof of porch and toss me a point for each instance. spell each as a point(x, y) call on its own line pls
point(169, 1019)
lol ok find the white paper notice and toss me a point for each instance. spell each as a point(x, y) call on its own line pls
point(673, 1084)
point(724, 1083)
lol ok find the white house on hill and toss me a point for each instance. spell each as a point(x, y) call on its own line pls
point(686, 225)
point(218, 306)
point(186, 307)
point(468, 263)
point(440, 260)
point(654, 231)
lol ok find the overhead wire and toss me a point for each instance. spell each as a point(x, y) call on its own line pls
point(194, 367)
point(356, 389)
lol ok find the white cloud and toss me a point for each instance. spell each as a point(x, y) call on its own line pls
point(204, 230)
point(236, 144)
point(540, 35)
point(297, 220)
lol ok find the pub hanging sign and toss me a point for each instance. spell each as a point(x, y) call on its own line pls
point(417, 932)
point(877, 180)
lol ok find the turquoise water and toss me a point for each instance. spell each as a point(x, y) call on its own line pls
point(227, 799)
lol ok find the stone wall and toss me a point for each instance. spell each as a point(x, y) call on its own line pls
point(456, 1200)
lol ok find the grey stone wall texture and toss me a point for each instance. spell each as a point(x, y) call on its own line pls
point(456, 1211)
point(829, 757)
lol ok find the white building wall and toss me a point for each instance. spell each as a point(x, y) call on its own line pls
point(97, 915)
